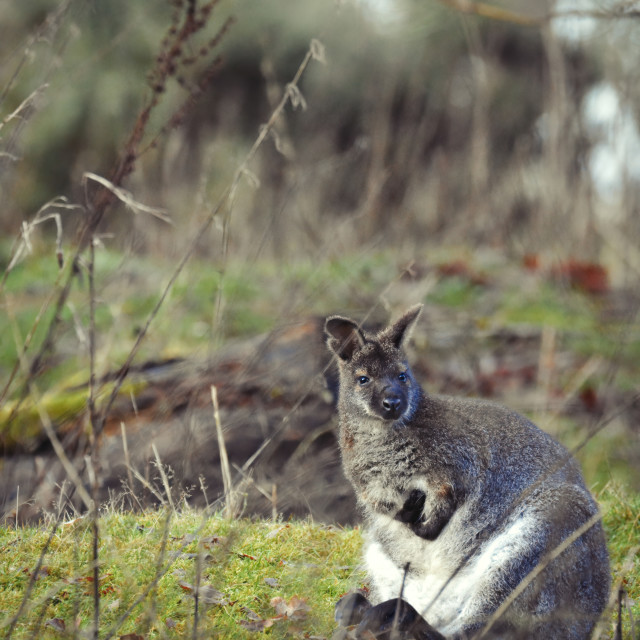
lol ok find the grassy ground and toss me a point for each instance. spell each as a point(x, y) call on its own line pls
point(284, 577)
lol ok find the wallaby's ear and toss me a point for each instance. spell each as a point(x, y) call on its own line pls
point(344, 336)
point(400, 330)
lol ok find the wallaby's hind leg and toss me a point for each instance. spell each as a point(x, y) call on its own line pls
point(552, 601)
point(351, 608)
point(396, 619)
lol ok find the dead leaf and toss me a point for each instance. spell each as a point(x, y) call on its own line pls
point(186, 586)
point(276, 531)
point(70, 523)
point(210, 595)
point(280, 605)
point(206, 593)
point(589, 277)
point(589, 398)
point(210, 541)
point(295, 609)
point(57, 624)
point(531, 262)
point(89, 579)
point(43, 572)
point(461, 269)
point(131, 636)
point(250, 613)
point(256, 625)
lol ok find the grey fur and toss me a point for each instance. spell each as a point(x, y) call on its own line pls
point(470, 494)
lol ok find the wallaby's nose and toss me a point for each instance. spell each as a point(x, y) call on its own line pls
point(392, 405)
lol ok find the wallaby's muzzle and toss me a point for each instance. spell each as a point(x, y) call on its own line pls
point(392, 402)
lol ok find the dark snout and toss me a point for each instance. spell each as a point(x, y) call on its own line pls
point(393, 402)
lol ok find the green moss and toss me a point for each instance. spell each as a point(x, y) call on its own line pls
point(622, 525)
point(248, 562)
point(155, 558)
point(20, 421)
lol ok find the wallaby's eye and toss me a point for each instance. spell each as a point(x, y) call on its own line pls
point(402, 377)
point(362, 380)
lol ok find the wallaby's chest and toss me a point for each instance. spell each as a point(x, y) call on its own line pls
point(380, 466)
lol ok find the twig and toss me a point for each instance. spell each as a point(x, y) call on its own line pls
point(196, 591)
point(95, 539)
point(624, 10)
point(224, 459)
point(485, 10)
point(91, 460)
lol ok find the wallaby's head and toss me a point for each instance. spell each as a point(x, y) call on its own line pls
point(375, 378)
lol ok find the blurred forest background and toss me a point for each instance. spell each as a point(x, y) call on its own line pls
point(181, 179)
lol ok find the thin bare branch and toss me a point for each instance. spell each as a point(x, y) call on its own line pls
point(492, 12)
point(623, 10)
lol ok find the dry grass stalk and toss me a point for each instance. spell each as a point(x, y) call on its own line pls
point(127, 458)
point(163, 475)
point(229, 507)
point(127, 199)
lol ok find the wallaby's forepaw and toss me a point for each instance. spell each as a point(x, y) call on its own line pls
point(413, 508)
point(351, 608)
point(427, 527)
point(396, 620)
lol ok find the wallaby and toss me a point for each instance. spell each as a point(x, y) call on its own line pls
point(476, 517)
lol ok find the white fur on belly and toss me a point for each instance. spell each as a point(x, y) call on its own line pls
point(463, 597)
